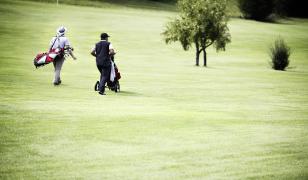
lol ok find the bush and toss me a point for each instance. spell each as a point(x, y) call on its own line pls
point(256, 9)
point(280, 54)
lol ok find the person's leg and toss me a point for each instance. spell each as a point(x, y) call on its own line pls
point(99, 68)
point(58, 66)
point(105, 74)
point(101, 87)
point(54, 65)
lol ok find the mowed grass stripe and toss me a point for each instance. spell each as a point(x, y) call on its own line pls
point(235, 119)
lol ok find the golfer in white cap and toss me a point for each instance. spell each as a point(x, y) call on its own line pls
point(60, 41)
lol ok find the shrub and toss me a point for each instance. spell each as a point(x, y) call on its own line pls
point(256, 9)
point(280, 54)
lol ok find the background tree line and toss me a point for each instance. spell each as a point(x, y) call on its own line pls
point(293, 8)
point(296, 8)
point(262, 9)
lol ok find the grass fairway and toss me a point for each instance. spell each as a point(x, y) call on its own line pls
point(236, 119)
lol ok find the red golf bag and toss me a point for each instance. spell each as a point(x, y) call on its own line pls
point(42, 59)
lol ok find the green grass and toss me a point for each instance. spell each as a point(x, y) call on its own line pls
point(169, 5)
point(236, 119)
point(139, 4)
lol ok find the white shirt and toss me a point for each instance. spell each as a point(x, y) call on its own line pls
point(62, 42)
point(110, 46)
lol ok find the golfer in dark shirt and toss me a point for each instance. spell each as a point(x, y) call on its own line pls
point(103, 50)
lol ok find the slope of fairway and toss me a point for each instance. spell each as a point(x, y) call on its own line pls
point(236, 119)
point(169, 5)
point(138, 4)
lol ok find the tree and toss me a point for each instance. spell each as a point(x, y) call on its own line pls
point(201, 22)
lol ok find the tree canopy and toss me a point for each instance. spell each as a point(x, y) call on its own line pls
point(201, 22)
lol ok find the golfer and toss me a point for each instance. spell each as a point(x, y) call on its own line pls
point(60, 41)
point(103, 51)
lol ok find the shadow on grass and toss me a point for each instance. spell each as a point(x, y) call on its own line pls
point(129, 93)
point(273, 20)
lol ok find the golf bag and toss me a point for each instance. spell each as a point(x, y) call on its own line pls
point(42, 59)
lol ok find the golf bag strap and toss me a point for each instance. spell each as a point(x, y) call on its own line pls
point(56, 38)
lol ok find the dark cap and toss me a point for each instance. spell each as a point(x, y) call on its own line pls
point(104, 35)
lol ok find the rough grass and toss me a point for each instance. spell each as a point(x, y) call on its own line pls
point(236, 119)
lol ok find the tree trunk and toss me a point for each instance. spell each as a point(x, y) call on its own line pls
point(197, 53)
point(204, 57)
point(197, 58)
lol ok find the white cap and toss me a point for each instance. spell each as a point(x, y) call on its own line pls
point(61, 31)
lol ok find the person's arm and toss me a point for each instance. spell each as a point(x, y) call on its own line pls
point(93, 53)
point(68, 45)
point(111, 50)
point(71, 54)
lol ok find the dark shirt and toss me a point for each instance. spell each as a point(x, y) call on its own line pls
point(102, 54)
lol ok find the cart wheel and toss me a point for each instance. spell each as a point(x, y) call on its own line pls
point(118, 86)
point(96, 86)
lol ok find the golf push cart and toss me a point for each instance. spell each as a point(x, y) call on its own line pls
point(115, 84)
